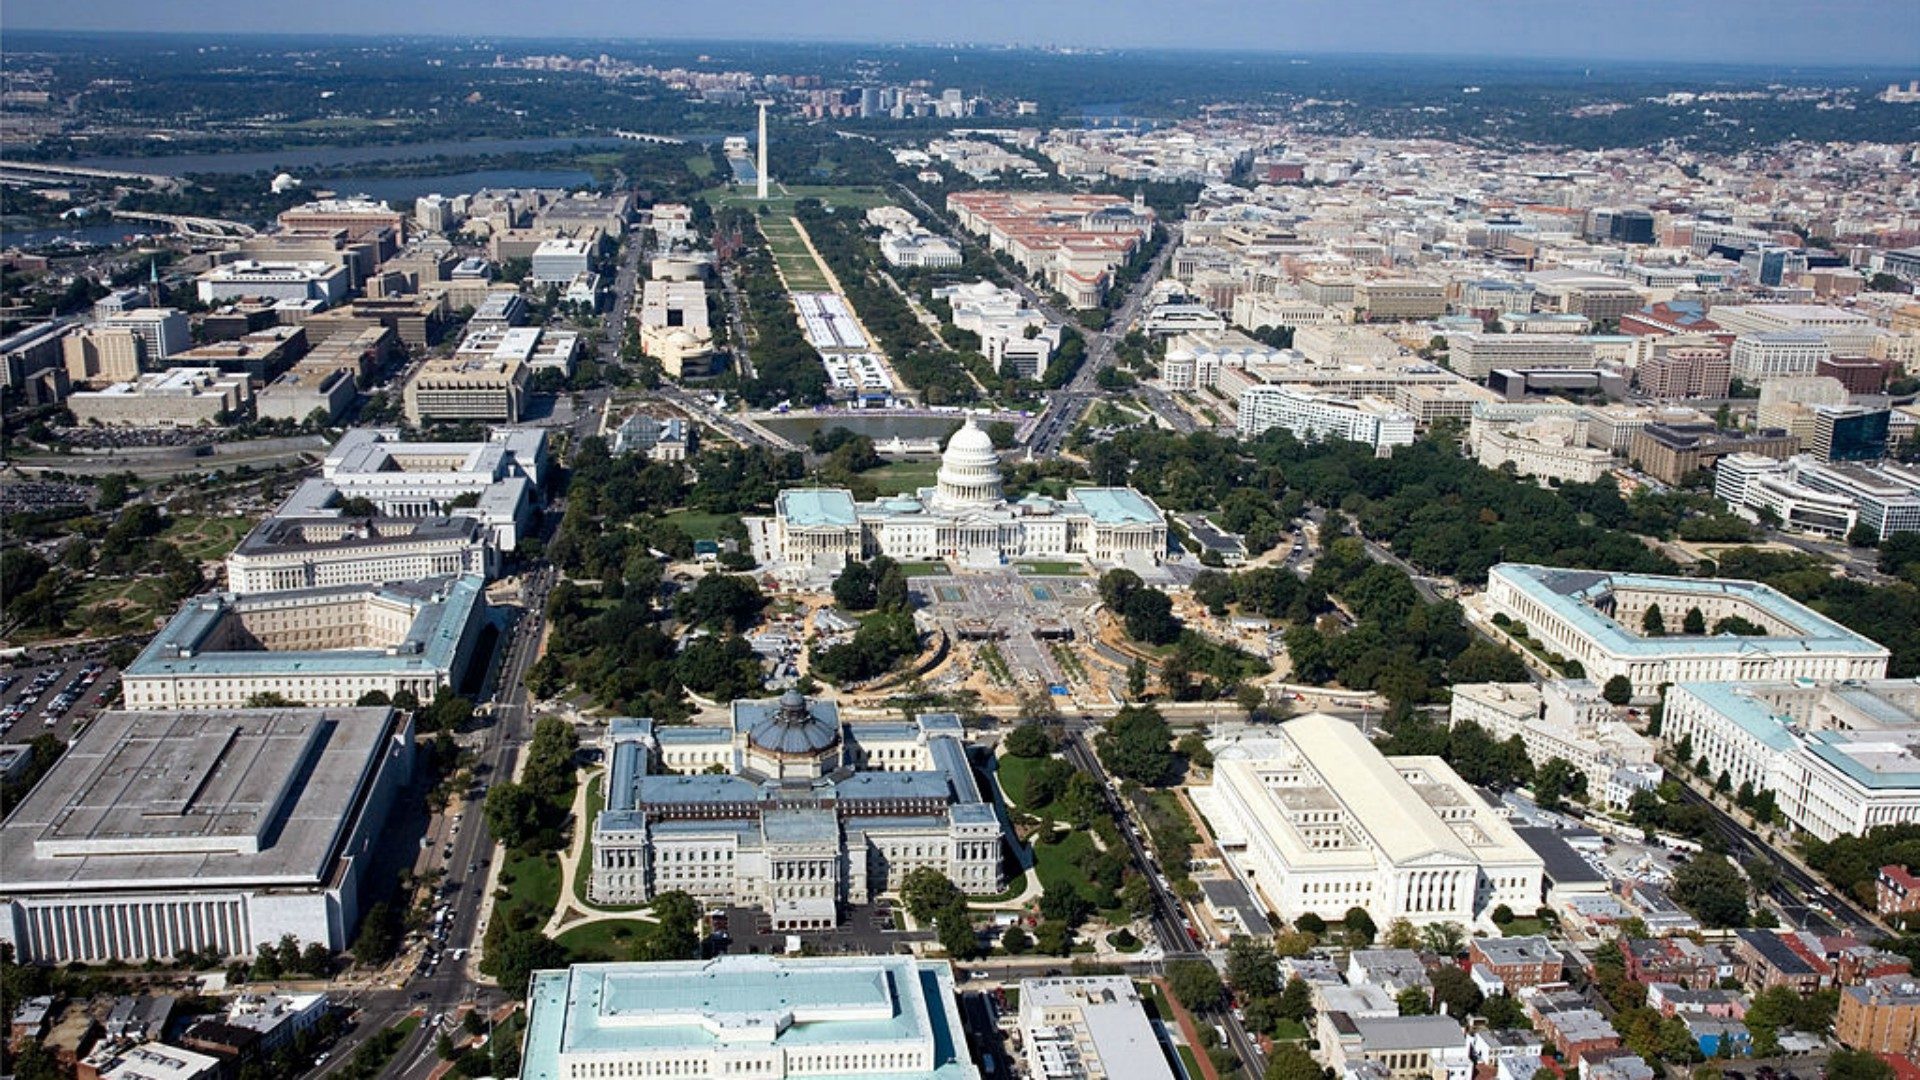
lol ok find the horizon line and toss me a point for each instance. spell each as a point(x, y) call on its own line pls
point(1062, 49)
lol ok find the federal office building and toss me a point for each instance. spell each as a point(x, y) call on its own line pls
point(162, 832)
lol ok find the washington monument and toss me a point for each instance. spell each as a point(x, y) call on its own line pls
point(761, 167)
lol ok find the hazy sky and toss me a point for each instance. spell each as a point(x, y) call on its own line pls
point(1773, 31)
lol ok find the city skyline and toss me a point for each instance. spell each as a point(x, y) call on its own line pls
point(1865, 33)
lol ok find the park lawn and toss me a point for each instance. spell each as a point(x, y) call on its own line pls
point(1052, 569)
point(1289, 1030)
point(700, 165)
point(602, 942)
point(700, 525)
point(802, 274)
point(1012, 776)
point(596, 802)
point(1057, 863)
point(925, 569)
point(203, 538)
point(854, 198)
point(902, 477)
point(536, 881)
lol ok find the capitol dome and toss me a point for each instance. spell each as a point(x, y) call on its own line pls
point(969, 469)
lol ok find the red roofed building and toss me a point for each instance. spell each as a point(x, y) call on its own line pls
point(1897, 891)
point(1681, 317)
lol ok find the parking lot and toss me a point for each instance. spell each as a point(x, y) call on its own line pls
point(53, 698)
point(864, 929)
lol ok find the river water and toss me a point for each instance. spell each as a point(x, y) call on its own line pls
point(107, 234)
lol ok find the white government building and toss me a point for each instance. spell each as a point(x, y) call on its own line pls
point(1596, 618)
point(790, 810)
point(160, 832)
point(322, 646)
point(498, 481)
point(305, 553)
point(747, 1018)
point(1313, 818)
point(965, 519)
point(1839, 757)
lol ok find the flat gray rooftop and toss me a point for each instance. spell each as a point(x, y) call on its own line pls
point(153, 799)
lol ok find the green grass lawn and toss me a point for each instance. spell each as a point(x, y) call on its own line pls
point(924, 569)
point(700, 165)
point(902, 477)
point(601, 942)
point(596, 801)
point(699, 524)
point(1289, 1029)
point(1188, 1063)
point(1058, 863)
point(1012, 776)
point(1523, 928)
point(853, 198)
point(1053, 569)
point(535, 881)
point(802, 274)
point(206, 537)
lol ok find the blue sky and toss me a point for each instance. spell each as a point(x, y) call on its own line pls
point(1801, 32)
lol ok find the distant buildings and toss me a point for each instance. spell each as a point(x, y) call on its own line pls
point(674, 328)
point(162, 832)
point(1312, 416)
point(1478, 355)
point(1839, 756)
point(1597, 619)
point(1549, 447)
point(1194, 361)
point(1778, 354)
point(1672, 452)
point(1680, 367)
point(904, 243)
point(164, 331)
point(765, 1017)
point(175, 397)
point(1314, 819)
point(1071, 242)
point(321, 646)
point(1806, 495)
point(1016, 339)
point(1087, 1026)
point(325, 282)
